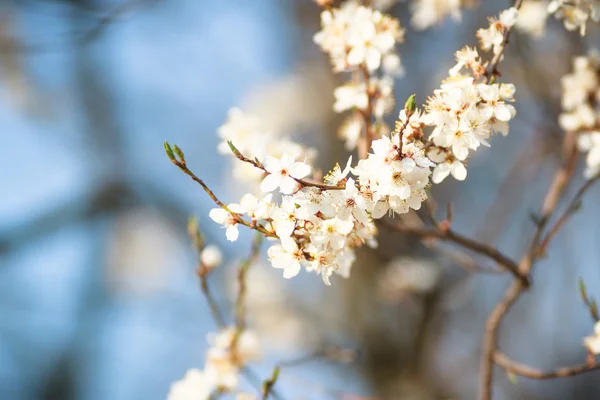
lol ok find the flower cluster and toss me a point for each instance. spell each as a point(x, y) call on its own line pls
point(254, 141)
point(230, 351)
point(575, 13)
point(465, 111)
point(318, 229)
point(320, 225)
point(394, 176)
point(355, 35)
point(491, 38)
point(360, 39)
point(581, 113)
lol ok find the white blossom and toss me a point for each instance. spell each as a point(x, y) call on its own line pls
point(442, 170)
point(195, 385)
point(223, 217)
point(492, 37)
point(592, 343)
point(286, 256)
point(349, 96)
point(283, 173)
point(337, 175)
point(394, 183)
point(465, 113)
point(223, 362)
point(256, 208)
point(350, 130)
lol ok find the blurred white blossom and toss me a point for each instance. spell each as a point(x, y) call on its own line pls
point(211, 257)
point(407, 275)
point(592, 343)
point(427, 13)
point(492, 37)
point(532, 18)
point(581, 110)
point(250, 138)
point(195, 385)
point(575, 13)
point(355, 35)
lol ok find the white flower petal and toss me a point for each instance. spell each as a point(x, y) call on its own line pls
point(287, 185)
point(232, 232)
point(459, 172)
point(270, 183)
point(291, 270)
point(299, 170)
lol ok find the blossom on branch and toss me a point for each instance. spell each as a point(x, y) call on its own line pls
point(493, 37)
point(254, 141)
point(282, 174)
point(465, 112)
point(229, 221)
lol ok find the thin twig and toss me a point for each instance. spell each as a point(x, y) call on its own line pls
point(256, 381)
point(181, 164)
point(203, 272)
point(492, 70)
point(533, 373)
point(303, 182)
point(212, 303)
point(449, 235)
point(269, 384)
point(589, 302)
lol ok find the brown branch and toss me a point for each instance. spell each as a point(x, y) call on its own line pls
point(553, 196)
point(449, 235)
point(526, 371)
